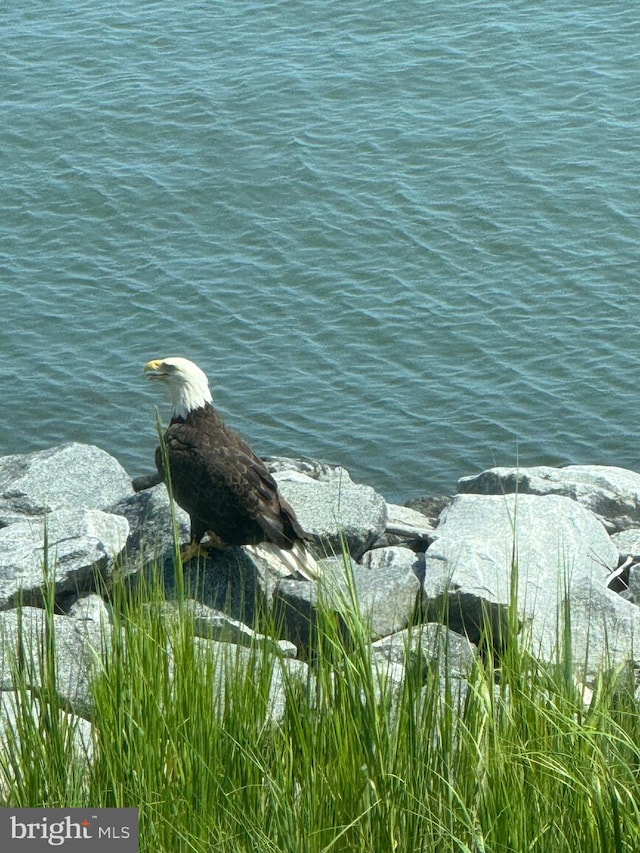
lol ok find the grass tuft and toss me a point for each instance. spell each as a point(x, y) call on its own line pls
point(348, 760)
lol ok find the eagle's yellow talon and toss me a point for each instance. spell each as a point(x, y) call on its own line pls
point(193, 549)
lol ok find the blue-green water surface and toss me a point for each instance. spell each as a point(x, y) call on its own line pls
point(402, 237)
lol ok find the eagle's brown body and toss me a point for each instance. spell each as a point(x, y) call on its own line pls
point(219, 481)
point(223, 486)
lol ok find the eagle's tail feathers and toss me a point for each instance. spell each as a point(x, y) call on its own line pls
point(293, 561)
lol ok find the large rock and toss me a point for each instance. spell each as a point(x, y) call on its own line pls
point(72, 475)
point(562, 553)
point(421, 645)
point(431, 506)
point(406, 527)
point(18, 708)
point(79, 542)
point(628, 543)
point(151, 521)
point(240, 660)
point(387, 588)
point(634, 583)
point(414, 652)
point(210, 624)
point(384, 587)
point(78, 654)
point(613, 494)
point(92, 620)
point(333, 508)
point(311, 467)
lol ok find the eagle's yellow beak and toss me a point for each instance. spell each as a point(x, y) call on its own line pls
point(153, 369)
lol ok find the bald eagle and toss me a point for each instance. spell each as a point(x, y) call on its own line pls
point(225, 488)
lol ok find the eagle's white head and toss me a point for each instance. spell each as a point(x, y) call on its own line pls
point(188, 385)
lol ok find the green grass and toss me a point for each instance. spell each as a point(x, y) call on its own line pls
point(182, 730)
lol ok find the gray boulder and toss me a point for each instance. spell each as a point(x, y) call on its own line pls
point(628, 542)
point(79, 543)
point(421, 645)
point(227, 580)
point(613, 494)
point(92, 621)
point(414, 652)
point(634, 583)
point(150, 516)
point(388, 588)
point(406, 527)
point(78, 655)
point(210, 624)
point(563, 554)
point(431, 505)
point(385, 589)
point(311, 467)
point(294, 611)
point(333, 508)
point(237, 660)
point(72, 475)
point(16, 708)
point(82, 639)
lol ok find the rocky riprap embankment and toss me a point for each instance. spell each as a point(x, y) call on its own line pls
point(573, 532)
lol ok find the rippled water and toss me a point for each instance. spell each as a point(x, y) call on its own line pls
point(401, 236)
